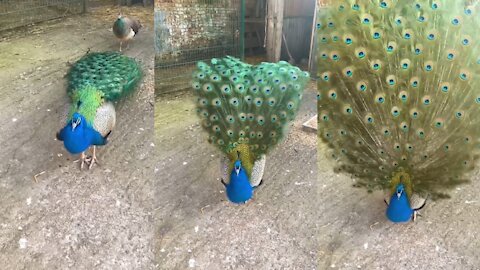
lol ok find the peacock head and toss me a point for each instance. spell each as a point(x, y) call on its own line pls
point(238, 164)
point(77, 121)
point(400, 190)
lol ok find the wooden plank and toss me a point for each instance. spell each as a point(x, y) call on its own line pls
point(299, 8)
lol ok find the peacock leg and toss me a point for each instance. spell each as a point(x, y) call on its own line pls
point(82, 160)
point(415, 214)
point(120, 45)
point(93, 159)
point(416, 210)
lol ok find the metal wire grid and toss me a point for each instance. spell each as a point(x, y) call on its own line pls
point(15, 13)
point(189, 31)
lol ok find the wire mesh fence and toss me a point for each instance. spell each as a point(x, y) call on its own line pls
point(188, 31)
point(15, 13)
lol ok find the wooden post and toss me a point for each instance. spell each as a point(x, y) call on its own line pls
point(312, 38)
point(275, 10)
point(279, 28)
point(270, 29)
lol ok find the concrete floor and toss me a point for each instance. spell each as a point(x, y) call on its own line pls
point(197, 227)
point(72, 219)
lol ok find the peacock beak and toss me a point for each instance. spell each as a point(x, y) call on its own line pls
point(237, 170)
point(399, 194)
point(75, 123)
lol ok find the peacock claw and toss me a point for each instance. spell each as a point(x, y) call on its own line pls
point(90, 160)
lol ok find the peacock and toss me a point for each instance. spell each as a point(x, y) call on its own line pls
point(125, 28)
point(94, 83)
point(399, 96)
point(245, 109)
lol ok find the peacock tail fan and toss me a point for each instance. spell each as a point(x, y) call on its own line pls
point(113, 74)
point(399, 91)
point(245, 108)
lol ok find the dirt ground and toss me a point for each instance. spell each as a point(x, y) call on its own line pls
point(296, 220)
point(156, 201)
point(197, 227)
point(72, 219)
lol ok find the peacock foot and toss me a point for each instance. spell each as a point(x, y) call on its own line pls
point(92, 159)
point(88, 160)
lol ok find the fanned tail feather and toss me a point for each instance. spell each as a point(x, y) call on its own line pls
point(241, 105)
point(399, 90)
point(112, 73)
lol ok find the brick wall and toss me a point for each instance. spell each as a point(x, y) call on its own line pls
point(183, 26)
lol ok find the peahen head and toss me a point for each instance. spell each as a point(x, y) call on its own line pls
point(119, 26)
